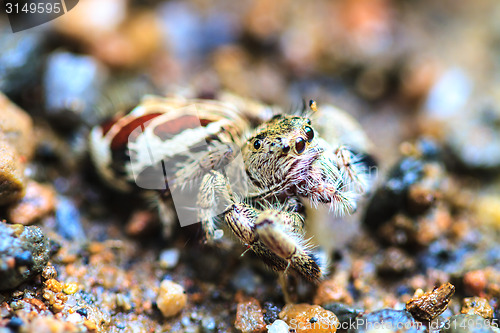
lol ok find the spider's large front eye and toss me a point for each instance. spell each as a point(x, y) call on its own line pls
point(309, 133)
point(256, 144)
point(300, 145)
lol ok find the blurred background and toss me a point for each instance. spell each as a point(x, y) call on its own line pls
point(421, 76)
point(389, 63)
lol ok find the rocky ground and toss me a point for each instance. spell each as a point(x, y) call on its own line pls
point(421, 254)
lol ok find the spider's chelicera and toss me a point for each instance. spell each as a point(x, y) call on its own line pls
point(249, 179)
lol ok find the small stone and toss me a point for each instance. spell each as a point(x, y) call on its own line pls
point(428, 306)
point(330, 291)
point(488, 210)
point(90, 325)
point(171, 298)
point(16, 128)
point(21, 60)
point(208, 324)
point(169, 258)
point(38, 201)
point(132, 43)
point(279, 326)
point(271, 312)
point(70, 288)
point(30, 249)
point(305, 318)
point(77, 26)
point(475, 282)
point(249, 317)
point(72, 88)
point(12, 181)
point(53, 285)
point(478, 306)
point(68, 220)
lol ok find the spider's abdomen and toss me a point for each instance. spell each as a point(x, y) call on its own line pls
point(161, 136)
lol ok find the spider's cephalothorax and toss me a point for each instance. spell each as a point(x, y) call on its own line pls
point(283, 159)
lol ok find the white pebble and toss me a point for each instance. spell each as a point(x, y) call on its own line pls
point(74, 318)
point(278, 326)
point(169, 258)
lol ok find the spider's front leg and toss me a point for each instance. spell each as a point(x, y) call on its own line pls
point(276, 236)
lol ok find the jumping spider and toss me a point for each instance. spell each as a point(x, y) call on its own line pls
point(283, 159)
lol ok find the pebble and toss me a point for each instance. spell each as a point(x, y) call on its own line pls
point(279, 326)
point(333, 290)
point(53, 285)
point(70, 288)
point(18, 242)
point(72, 88)
point(431, 304)
point(169, 258)
point(20, 60)
point(38, 201)
point(171, 298)
point(305, 318)
point(132, 44)
point(473, 138)
point(449, 94)
point(487, 209)
point(68, 220)
point(49, 272)
point(208, 324)
point(390, 197)
point(271, 312)
point(478, 306)
point(12, 181)
point(16, 128)
point(16, 148)
point(77, 26)
point(249, 316)
point(475, 282)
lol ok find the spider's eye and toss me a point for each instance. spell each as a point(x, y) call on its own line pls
point(300, 145)
point(308, 122)
point(309, 133)
point(286, 148)
point(256, 144)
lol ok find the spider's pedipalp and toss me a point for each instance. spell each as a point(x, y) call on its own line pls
point(353, 171)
